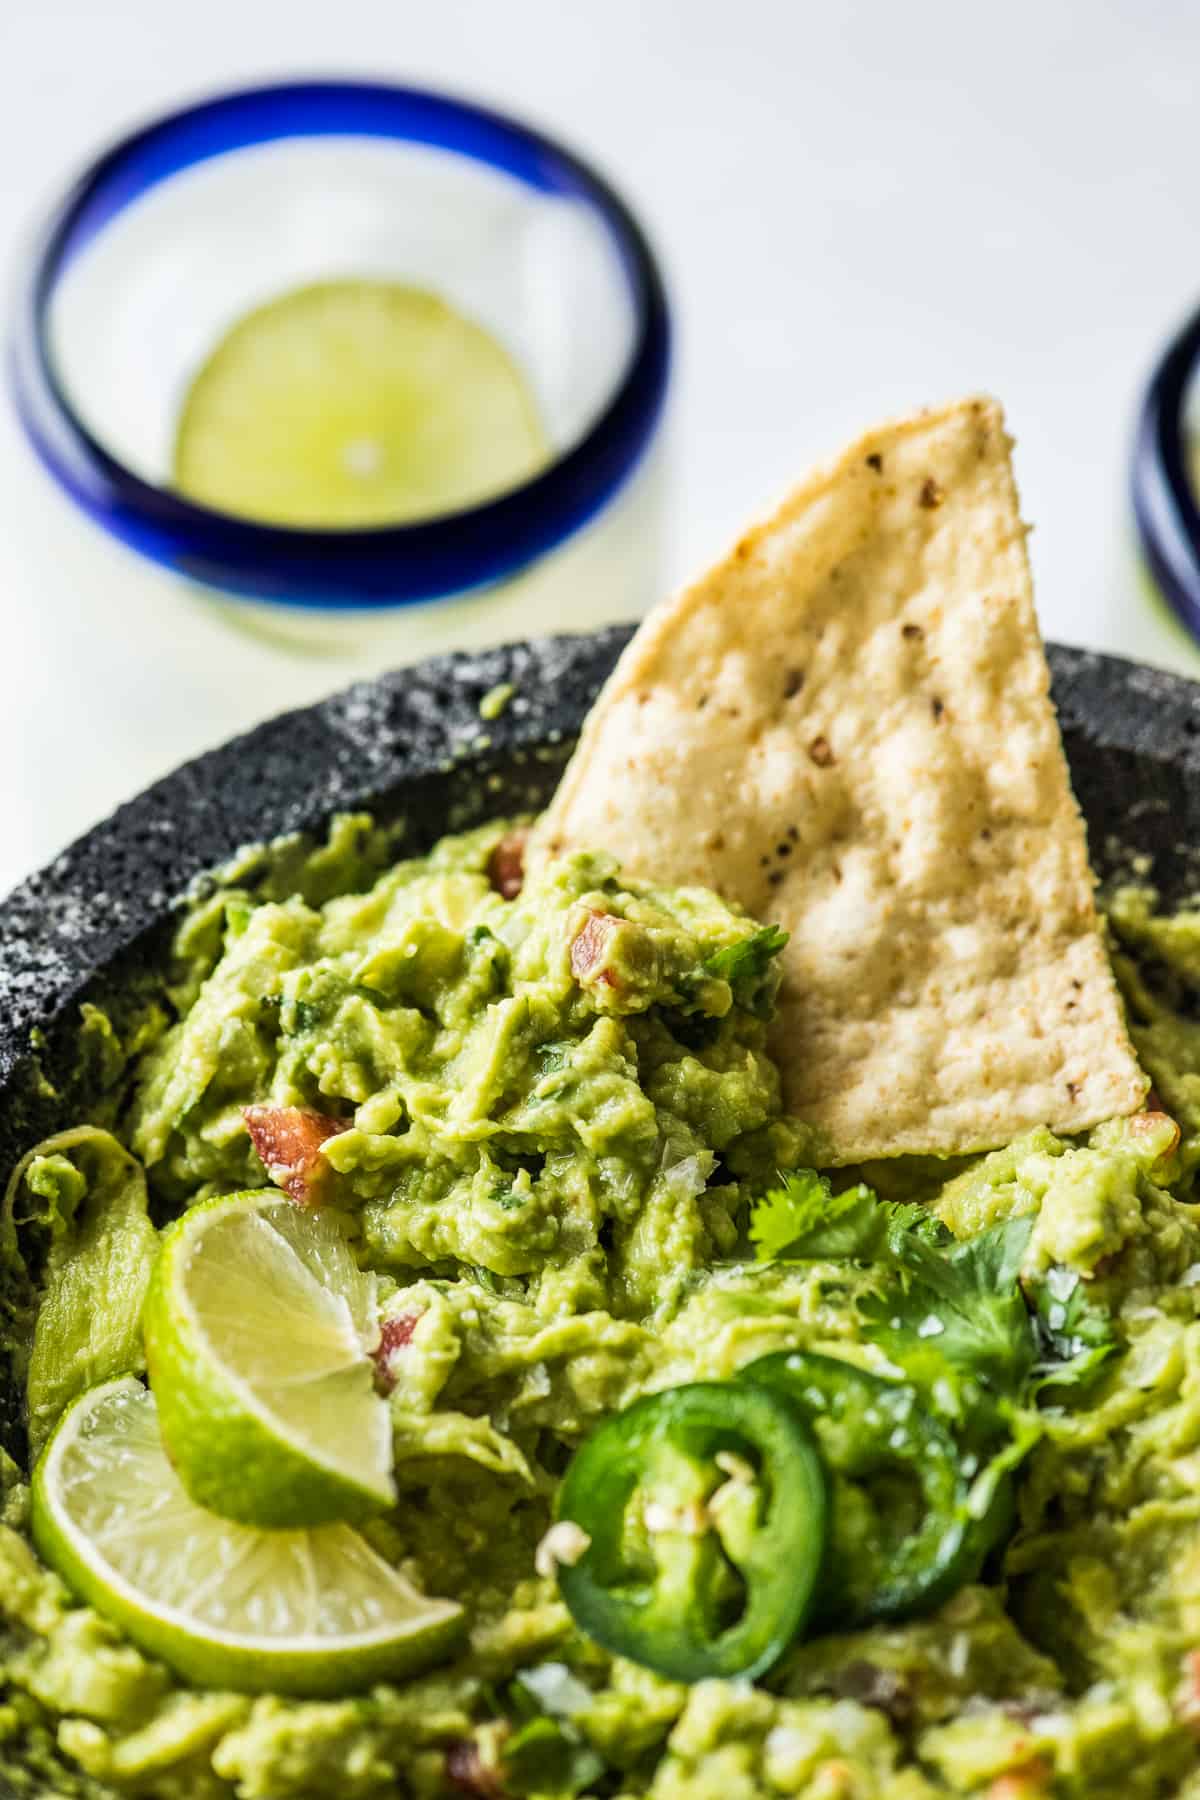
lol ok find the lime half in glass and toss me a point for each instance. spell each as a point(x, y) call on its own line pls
point(349, 404)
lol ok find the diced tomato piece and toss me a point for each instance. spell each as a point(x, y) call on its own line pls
point(1154, 1123)
point(394, 1334)
point(506, 864)
point(1030, 1782)
point(589, 946)
point(288, 1140)
point(833, 1780)
point(1187, 1695)
point(467, 1771)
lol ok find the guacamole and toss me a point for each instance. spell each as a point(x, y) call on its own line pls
point(549, 1118)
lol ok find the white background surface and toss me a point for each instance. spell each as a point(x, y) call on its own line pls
point(861, 208)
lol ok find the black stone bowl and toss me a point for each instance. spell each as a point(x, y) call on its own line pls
point(94, 924)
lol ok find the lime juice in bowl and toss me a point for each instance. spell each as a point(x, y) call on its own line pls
point(378, 371)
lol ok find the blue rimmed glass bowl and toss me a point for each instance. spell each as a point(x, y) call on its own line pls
point(185, 225)
point(1166, 462)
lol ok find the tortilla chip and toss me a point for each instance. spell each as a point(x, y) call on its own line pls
point(846, 726)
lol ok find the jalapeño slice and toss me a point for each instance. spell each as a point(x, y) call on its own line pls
point(901, 1537)
point(705, 1512)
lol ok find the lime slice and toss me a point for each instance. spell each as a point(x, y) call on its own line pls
point(259, 1330)
point(292, 1612)
point(355, 403)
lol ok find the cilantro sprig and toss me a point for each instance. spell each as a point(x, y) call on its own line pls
point(947, 1313)
point(803, 1220)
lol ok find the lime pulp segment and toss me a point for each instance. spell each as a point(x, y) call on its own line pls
point(295, 1612)
point(356, 403)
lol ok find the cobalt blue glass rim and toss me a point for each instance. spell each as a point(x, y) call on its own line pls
point(1164, 496)
point(376, 568)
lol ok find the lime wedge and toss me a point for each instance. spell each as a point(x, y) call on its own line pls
point(292, 1612)
point(259, 1330)
point(355, 403)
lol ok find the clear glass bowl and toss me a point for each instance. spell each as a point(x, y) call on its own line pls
point(186, 225)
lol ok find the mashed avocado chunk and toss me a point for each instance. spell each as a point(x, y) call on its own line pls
point(554, 1131)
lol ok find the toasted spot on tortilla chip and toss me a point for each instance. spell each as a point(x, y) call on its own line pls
point(946, 985)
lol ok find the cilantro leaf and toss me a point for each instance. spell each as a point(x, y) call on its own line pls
point(546, 1754)
point(305, 1016)
point(749, 958)
point(545, 1757)
point(747, 965)
point(961, 1308)
point(1075, 1334)
point(803, 1220)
